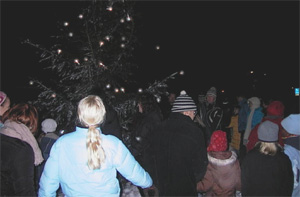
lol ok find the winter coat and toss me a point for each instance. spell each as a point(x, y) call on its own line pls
point(67, 166)
point(236, 136)
point(253, 137)
point(17, 167)
point(143, 137)
point(111, 125)
point(291, 149)
point(223, 175)
point(266, 175)
point(180, 154)
point(243, 114)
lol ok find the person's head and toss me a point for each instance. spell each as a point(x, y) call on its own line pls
point(275, 108)
point(254, 102)
point(268, 137)
point(91, 113)
point(171, 98)
point(185, 105)
point(146, 102)
point(218, 141)
point(23, 113)
point(291, 125)
point(49, 125)
point(211, 95)
point(4, 103)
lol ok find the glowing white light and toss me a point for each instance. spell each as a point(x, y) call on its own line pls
point(140, 90)
point(107, 38)
point(101, 43)
point(251, 71)
point(128, 18)
point(59, 51)
point(109, 8)
point(71, 34)
point(222, 91)
point(66, 24)
point(157, 47)
point(122, 45)
point(108, 86)
point(158, 99)
point(123, 38)
point(85, 59)
point(31, 82)
point(122, 89)
point(101, 64)
point(76, 61)
point(80, 16)
point(53, 95)
point(122, 20)
point(181, 72)
point(116, 90)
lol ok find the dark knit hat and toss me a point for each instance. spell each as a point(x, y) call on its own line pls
point(218, 141)
point(275, 108)
point(183, 103)
point(268, 131)
point(212, 92)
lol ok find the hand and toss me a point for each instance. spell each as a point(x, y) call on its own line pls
point(150, 191)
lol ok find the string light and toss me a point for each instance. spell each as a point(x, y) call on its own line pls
point(71, 34)
point(107, 38)
point(108, 86)
point(181, 72)
point(85, 59)
point(122, 20)
point(140, 90)
point(53, 95)
point(116, 90)
point(66, 24)
point(101, 43)
point(122, 90)
point(76, 61)
point(109, 8)
point(31, 82)
point(128, 18)
point(157, 47)
point(80, 16)
point(251, 71)
point(122, 45)
point(123, 38)
point(59, 51)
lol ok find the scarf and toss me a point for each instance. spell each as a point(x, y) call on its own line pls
point(22, 132)
point(255, 104)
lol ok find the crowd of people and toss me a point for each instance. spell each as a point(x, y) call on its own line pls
point(178, 148)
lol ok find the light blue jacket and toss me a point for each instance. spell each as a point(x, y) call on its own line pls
point(294, 156)
point(67, 166)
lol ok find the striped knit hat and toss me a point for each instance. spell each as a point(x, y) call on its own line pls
point(183, 103)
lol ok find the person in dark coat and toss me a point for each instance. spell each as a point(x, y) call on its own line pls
point(266, 170)
point(150, 116)
point(180, 150)
point(111, 125)
point(19, 151)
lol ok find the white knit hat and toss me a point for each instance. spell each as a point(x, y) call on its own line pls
point(292, 124)
point(49, 125)
point(183, 103)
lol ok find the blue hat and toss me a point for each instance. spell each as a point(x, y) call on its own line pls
point(268, 131)
point(292, 124)
point(183, 103)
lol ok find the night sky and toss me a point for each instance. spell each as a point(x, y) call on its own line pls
point(216, 43)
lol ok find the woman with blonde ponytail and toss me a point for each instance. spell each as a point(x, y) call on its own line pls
point(85, 162)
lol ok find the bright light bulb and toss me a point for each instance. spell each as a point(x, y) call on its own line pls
point(80, 16)
point(66, 24)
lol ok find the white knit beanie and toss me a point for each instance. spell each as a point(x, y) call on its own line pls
point(183, 103)
point(49, 125)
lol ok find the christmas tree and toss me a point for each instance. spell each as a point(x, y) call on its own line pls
point(93, 55)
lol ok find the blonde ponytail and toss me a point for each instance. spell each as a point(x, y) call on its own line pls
point(96, 154)
point(91, 113)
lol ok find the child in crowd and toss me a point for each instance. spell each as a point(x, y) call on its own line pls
point(223, 175)
point(236, 136)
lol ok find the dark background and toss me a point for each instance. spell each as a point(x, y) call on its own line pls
point(216, 43)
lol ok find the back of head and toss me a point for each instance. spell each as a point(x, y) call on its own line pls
point(212, 92)
point(275, 108)
point(268, 132)
point(218, 141)
point(24, 113)
point(91, 113)
point(292, 124)
point(183, 103)
point(49, 125)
